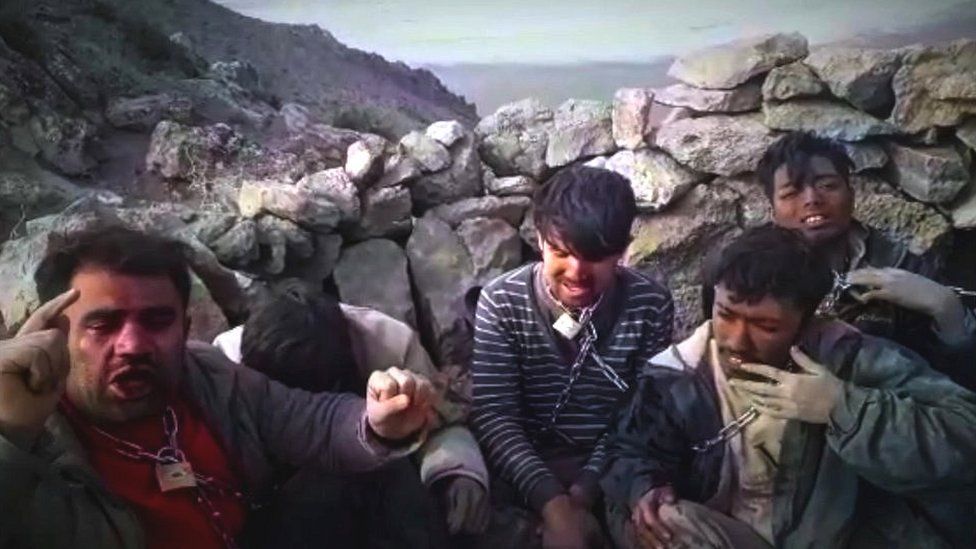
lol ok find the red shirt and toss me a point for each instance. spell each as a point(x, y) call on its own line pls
point(174, 518)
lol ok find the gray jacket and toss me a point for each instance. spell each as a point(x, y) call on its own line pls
point(51, 496)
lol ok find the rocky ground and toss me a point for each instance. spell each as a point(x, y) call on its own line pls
point(406, 223)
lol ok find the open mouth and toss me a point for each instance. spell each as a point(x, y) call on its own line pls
point(814, 220)
point(131, 383)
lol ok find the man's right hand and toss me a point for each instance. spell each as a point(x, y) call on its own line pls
point(33, 368)
point(566, 525)
point(649, 529)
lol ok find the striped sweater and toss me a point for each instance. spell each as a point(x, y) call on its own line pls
point(518, 375)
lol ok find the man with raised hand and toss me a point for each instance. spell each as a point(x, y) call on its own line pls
point(557, 344)
point(766, 425)
point(117, 432)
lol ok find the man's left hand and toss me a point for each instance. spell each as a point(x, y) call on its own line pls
point(398, 403)
point(467, 504)
point(808, 396)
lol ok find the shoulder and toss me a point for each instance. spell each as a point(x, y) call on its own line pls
point(643, 290)
point(883, 251)
point(513, 286)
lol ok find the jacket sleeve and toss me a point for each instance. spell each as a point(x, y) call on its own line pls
point(497, 402)
point(646, 444)
point(46, 504)
point(901, 425)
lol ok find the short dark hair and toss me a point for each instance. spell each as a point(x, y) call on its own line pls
point(299, 337)
point(772, 261)
point(588, 210)
point(117, 249)
point(795, 151)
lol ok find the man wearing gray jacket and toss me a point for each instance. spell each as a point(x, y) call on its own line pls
point(115, 432)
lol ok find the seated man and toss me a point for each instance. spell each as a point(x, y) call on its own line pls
point(759, 429)
point(116, 432)
point(807, 181)
point(306, 339)
point(557, 344)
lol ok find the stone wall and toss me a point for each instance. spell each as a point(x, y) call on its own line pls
point(407, 226)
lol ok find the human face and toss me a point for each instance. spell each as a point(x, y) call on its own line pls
point(761, 332)
point(126, 339)
point(822, 210)
point(574, 281)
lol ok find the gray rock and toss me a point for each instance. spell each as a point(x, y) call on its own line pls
point(207, 320)
point(719, 144)
point(240, 73)
point(597, 162)
point(441, 270)
point(386, 212)
point(511, 209)
point(631, 108)
point(364, 159)
point(289, 201)
point(511, 186)
point(791, 81)
point(63, 141)
point(398, 169)
point(729, 65)
point(374, 274)
point(582, 129)
point(528, 233)
point(513, 140)
point(866, 156)
point(335, 186)
point(935, 86)
point(860, 76)
point(754, 207)
point(143, 113)
point(297, 243)
point(494, 246)
point(208, 226)
point(238, 246)
point(28, 191)
point(744, 98)
point(432, 156)
point(966, 133)
point(963, 210)
point(446, 132)
point(178, 151)
point(825, 118)
point(462, 179)
point(657, 179)
point(322, 262)
point(920, 227)
point(929, 174)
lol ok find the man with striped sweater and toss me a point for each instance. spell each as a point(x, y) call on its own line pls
point(557, 344)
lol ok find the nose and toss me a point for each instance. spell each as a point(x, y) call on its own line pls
point(132, 339)
point(811, 195)
point(576, 269)
point(737, 338)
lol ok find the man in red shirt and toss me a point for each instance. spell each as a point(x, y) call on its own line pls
point(117, 432)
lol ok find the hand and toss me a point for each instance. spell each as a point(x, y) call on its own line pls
point(913, 292)
point(567, 526)
point(468, 508)
point(808, 396)
point(398, 403)
point(33, 367)
point(649, 530)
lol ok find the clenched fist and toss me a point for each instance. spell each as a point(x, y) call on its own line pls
point(398, 403)
point(33, 368)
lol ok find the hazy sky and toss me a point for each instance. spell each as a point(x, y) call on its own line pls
point(570, 31)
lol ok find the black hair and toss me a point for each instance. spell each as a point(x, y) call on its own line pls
point(795, 150)
point(299, 337)
point(772, 261)
point(587, 210)
point(117, 249)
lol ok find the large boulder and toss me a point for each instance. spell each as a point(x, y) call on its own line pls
point(656, 178)
point(446, 132)
point(515, 185)
point(280, 239)
point(432, 156)
point(441, 270)
point(374, 274)
point(719, 144)
point(28, 191)
point(322, 262)
point(386, 213)
point(462, 179)
point(729, 65)
point(63, 141)
point(866, 155)
point(144, 112)
point(744, 98)
point(935, 86)
point(398, 169)
point(513, 140)
point(290, 202)
point(581, 128)
point(184, 152)
point(364, 159)
point(930, 174)
point(510, 209)
point(791, 81)
point(669, 245)
point(963, 210)
point(920, 227)
point(824, 118)
point(631, 109)
point(238, 246)
point(494, 246)
point(337, 187)
point(860, 76)
point(966, 132)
